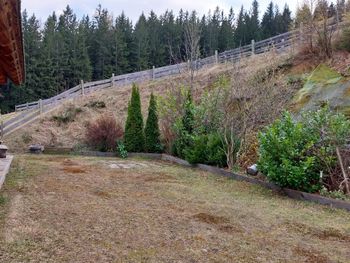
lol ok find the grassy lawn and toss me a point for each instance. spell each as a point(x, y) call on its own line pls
point(75, 209)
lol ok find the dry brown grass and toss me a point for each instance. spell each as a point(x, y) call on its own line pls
point(157, 213)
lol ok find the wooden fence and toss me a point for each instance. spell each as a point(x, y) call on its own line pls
point(31, 111)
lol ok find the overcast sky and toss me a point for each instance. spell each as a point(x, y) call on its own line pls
point(133, 8)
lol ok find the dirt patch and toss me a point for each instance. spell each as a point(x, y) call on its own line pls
point(159, 178)
point(55, 159)
point(332, 233)
point(102, 193)
point(311, 255)
point(323, 234)
point(74, 170)
point(68, 162)
point(210, 219)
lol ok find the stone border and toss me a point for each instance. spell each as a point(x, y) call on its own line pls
point(294, 194)
point(6, 167)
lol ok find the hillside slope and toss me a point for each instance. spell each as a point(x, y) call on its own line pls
point(274, 82)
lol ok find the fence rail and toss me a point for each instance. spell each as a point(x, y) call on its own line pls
point(30, 111)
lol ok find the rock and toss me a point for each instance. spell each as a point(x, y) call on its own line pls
point(35, 148)
point(252, 170)
point(3, 150)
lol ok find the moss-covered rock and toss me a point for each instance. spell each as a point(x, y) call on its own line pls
point(323, 85)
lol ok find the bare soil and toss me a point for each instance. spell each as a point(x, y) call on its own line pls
point(79, 209)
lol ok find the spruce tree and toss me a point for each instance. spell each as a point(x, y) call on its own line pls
point(240, 32)
point(152, 133)
point(134, 138)
point(188, 117)
point(184, 138)
point(268, 25)
point(141, 45)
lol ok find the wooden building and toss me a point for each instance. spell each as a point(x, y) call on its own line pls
point(11, 42)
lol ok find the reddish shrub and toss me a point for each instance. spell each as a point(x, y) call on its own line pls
point(103, 133)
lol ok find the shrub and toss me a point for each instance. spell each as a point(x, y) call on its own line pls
point(68, 115)
point(337, 194)
point(197, 152)
point(134, 137)
point(207, 149)
point(344, 41)
point(217, 149)
point(295, 154)
point(104, 133)
point(170, 109)
point(184, 129)
point(122, 152)
point(152, 133)
point(330, 131)
point(26, 137)
point(284, 155)
point(96, 104)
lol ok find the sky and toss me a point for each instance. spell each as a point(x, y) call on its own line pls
point(133, 8)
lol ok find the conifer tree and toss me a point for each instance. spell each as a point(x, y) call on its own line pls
point(240, 32)
point(268, 23)
point(254, 22)
point(141, 44)
point(286, 19)
point(152, 133)
point(134, 138)
point(123, 44)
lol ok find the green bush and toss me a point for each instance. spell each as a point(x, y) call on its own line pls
point(121, 151)
point(284, 155)
point(197, 152)
point(184, 129)
point(293, 154)
point(134, 138)
point(152, 133)
point(207, 149)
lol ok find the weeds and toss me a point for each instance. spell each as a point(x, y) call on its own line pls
point(96, 104)
point(26, 138)
point(68, 115)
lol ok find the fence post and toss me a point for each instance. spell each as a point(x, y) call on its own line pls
point(27, 106)
point(40, 102)
point(253, 47)
point(153, 72)
point(82, 87)
point(216, 57)
point(112, 80)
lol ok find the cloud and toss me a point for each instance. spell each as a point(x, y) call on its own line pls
point(133, 9)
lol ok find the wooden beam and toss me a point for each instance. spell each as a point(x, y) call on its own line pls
point(11, 42)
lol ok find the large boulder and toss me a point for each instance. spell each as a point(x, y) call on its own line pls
point(323, 85)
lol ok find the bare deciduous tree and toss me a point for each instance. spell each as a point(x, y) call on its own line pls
point(192, 38)
point(314, 22)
